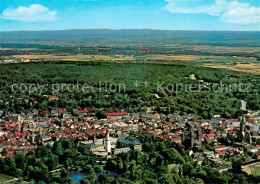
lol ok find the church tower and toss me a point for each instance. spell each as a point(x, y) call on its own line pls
point(107, 143)
point(242, 128)
point(192, 141)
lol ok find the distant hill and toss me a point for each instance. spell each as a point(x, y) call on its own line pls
point(199, 37)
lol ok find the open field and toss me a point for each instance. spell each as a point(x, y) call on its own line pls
point(253, 169)
point(257, 170)
point(223, 49)
point(81, 57)
point(180, 57)
point(240, 67)
point(148, 57)
point(78, 57)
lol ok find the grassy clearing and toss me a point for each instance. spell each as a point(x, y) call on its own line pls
point(253, 68)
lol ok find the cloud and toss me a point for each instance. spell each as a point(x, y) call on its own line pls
point(35, 12)
point(242, 15)
point(228, 11)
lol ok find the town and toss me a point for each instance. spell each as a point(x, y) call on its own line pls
point(212, 140)
point(59, 123)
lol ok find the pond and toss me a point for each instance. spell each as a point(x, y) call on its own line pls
point(76, 176)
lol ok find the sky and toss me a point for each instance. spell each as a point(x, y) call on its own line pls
point(233, 15)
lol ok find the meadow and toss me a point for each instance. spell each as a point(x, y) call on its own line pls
point(253, 68)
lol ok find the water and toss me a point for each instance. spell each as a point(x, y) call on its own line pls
point(76, 176)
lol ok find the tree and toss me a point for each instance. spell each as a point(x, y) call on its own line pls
point(20, 161)
point(89, 169)
point(239, 178)
point(11, 166)
point(236, 165)
point(52, 161)
point(85, 181)
point(98, 169)
point(166, 179)
point(111, 165)
point(4, 152)
point(188, 169)
point(64, 176)
point(101, 115)
point(151, 181)
point(101, 179)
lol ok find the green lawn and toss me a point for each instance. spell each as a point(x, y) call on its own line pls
point(257, 170)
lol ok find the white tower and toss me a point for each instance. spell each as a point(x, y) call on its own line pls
point(107, 143)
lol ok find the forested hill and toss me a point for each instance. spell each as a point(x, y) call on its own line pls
point(199, 37)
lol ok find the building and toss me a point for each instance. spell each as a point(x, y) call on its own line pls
point(195, 136)
point(107, 143)
point(53, 97)
point(241, 104)
point(192, 77)
point(117, 115)
point(121, 150)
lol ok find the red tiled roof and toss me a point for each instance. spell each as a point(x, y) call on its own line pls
point(203, 135)
point(251, 119)
point(79, 135)
point(176, 139)
point(117, 114)
point(25, 151)
point(233, 120)
point(160, 136)
point(210, 135)
point(62, 110)
point(46, 112)
point(168, 135)
point(81, 111)
point(52, 97)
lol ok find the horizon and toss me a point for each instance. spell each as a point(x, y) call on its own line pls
point(110, 29)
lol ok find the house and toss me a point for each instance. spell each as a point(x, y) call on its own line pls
point(177, 139)
point(223, 168)
point(241, 104)
point(117, 115)
point(121, 150)
point(82, 112)
point(173, 168)
point(192, 77)
point(232, 123)
point(53, 97)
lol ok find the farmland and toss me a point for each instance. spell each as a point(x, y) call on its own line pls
point(253, 68)
point(227, 50)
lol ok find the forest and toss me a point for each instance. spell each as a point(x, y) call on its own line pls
point(202, 101)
